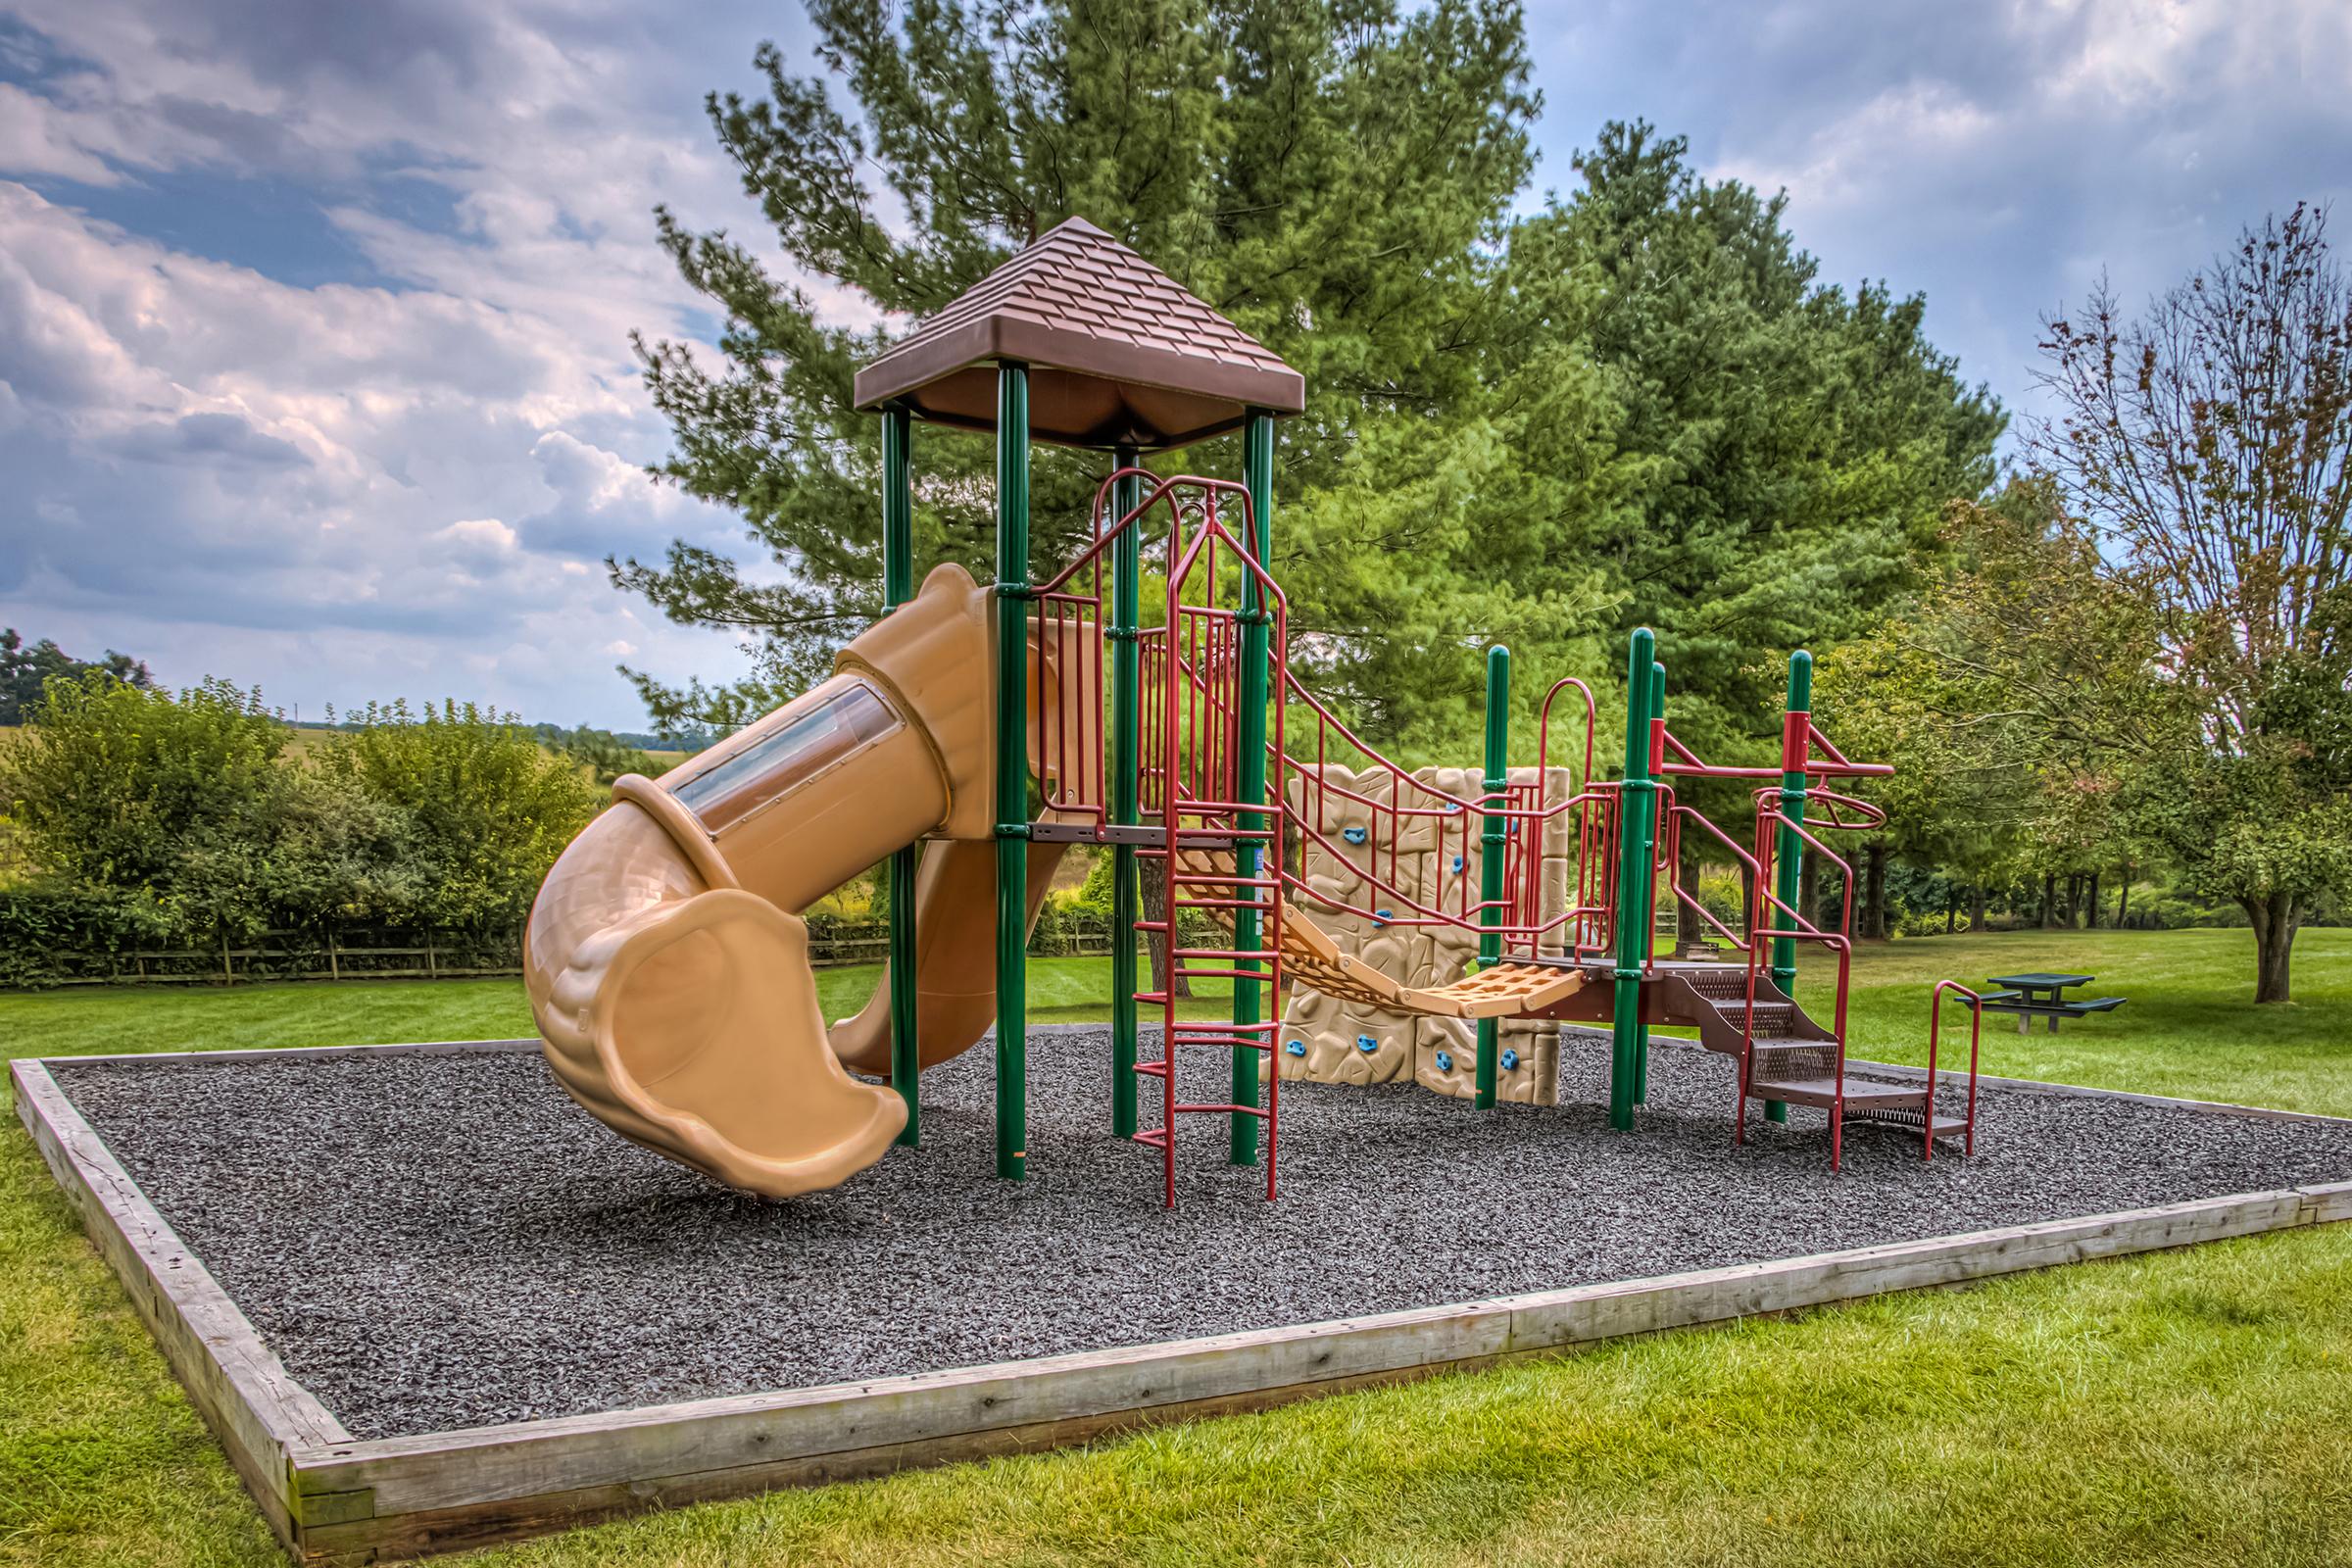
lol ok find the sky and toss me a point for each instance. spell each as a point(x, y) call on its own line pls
point(314, 366)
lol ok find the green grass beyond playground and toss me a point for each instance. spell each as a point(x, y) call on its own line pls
point(2184, 1408)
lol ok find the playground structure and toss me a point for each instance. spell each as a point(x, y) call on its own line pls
point(669, 970)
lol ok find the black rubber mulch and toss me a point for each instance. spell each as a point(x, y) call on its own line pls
point(433, 1241)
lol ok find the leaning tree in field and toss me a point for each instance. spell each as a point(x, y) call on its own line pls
point(2207, 441)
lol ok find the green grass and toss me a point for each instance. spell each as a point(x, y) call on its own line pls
point(2188, 1028)
point(2188, 1408)
point(97, 1020)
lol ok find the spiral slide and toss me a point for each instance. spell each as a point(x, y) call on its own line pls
point(666, 964)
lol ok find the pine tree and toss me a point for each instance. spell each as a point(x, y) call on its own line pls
point(1798, 445)
point(1634, 405)
point(1332, 177)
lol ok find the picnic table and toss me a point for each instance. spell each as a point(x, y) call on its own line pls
point(2043, 996)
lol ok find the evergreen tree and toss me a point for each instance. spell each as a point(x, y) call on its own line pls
point(1636, 405)
point(1793, 446)
point(1332, 176)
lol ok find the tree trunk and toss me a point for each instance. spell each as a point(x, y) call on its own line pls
point(1873, 893)
point(1152, 872)
point(1690, 932)
point(1747, 905)
point(2049, 899)
point(2091, 906)
point(1951, 907)
point(2275, 919)
point(2123, 897)
point(1976, 908)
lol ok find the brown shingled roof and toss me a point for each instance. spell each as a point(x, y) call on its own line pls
point(1118, 352)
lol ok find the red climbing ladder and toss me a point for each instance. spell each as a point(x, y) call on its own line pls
point(1222, 853)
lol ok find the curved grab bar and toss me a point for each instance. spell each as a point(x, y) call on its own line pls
point(1976, 1036)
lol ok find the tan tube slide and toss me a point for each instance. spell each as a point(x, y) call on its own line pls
point(666, 969)
point(954, 955)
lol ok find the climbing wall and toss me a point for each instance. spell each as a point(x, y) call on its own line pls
point(1437, 862)
point(1527, 1063)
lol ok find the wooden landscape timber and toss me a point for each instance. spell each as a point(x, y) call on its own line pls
point(334, 1499)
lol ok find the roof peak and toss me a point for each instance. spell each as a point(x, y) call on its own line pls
point(1119, 353)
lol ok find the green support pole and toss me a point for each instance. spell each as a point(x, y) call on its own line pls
point(1492, 838)
point(1013, 769)
point(1126, 683)
point(1789, 853)
point(1257, 474)
point(1658, 715)
point(1635, 841)
point(898, 586)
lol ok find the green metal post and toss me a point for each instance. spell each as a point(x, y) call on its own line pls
point(1788, 853)
point(1013, 769)
point(1258, 473)
point(898, 586)
point(1126, 684)
point(1635, 841)
point(1492, 838)
point(1658, 715)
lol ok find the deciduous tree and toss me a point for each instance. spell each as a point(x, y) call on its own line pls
point(2208, 442)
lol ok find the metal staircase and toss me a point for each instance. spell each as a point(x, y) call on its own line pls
point(1786, 1055)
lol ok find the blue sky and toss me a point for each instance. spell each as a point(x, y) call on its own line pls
point(313, 318)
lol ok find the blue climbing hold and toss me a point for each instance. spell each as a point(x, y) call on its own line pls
point(1452, 806)
point(1444, 1061)
point(1296, 1047)
point(1366, 1044)
point(1457, 862)
point(1510, 1061)
point(1355, 835)
point(1382, 917)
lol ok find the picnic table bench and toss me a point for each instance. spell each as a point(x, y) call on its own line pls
point(2042, 996)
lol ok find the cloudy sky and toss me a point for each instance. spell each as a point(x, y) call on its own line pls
point(313, 316)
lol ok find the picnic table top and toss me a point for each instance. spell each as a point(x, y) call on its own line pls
point(2042, 982)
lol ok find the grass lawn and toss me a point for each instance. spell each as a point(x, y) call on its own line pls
point(2186, 1409)
point(2190, 1027)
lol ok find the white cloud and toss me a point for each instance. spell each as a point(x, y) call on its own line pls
point(339, 490)
point(39, 142)
point(1996, 156)
point(207, 462)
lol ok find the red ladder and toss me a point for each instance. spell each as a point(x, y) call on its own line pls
point(1222, 854)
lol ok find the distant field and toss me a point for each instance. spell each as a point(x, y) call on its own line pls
point(2188, 1027)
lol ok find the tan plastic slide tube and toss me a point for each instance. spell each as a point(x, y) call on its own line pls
point(666, 966)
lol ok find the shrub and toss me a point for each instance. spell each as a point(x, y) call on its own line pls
point(487, 809)
point(116, 786)
point(149, 817)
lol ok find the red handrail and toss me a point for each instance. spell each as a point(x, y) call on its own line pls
point(1676, 812)
point(1975, 1032)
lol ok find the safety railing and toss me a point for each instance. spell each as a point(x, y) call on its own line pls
point(1394, 815)
point(1975, 1032)
point(1670, 851)
point(1399, 815)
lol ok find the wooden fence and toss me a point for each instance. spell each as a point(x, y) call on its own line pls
point(445, 955)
